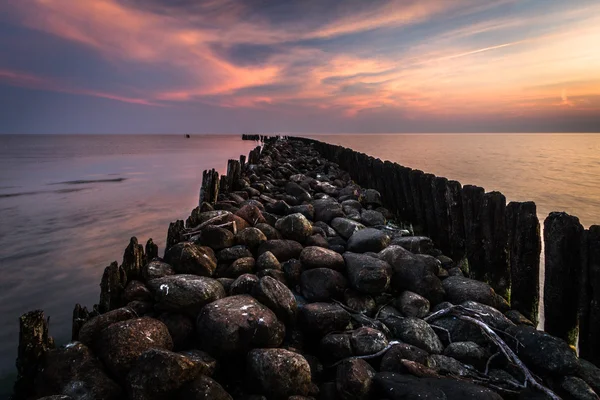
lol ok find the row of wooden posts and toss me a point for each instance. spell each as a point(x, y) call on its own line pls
point(496, 242)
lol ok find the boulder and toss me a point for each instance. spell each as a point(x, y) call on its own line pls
point(185, 293)
point(136, 290)
point(318, 257)
point(368, 240)
point(283, 250)
point(367, 274)
point(279, 373)
point(322, 318)
point(270, 232)
point(362, 303)
point(277, 297)
point(460, 289)
point(413, 274)
point(371, 197)
point(353, 380)
point(119, 345)
point(292, 270)
point(414, 244)
point(190, 258)
point(335, 347)
point(590, 374)
point(574, 388)
point(294, 227)
point(403, 351)
point(412, 305)
point(234, 325)
point(317, 240)
point(267, 260)
point(322, 284)
point(203, 387)
point(327, 209)
point(252, 238)
point(367, 341)
point(230, 254)
point(216, 238)
point(415, 331)
point(305, 209)
point(293, 189)
point(346, 227)
point(241, 266)
point(243, 285)
point(469, 353)
point(90, 331)
point(372, 218)
point(156, 269)
point(251, 214)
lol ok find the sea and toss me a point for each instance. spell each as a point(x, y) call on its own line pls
point(70, 203)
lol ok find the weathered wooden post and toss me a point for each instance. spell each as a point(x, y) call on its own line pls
point(563, 262)
point(415, 190)
point(210, 187)
point(472, 199)
point(457, 221)
point(34, 343)
point(495, 238)
point(175, 234)
point(589, 344)
point(442, 213)
point(408, 207)
point(234, 172)
point(112, 287)
point(133, 259)
point(80, 316)
point(524, 248)
point(151, 250)
point(428, 207)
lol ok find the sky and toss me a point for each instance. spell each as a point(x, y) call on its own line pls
point(299, 66)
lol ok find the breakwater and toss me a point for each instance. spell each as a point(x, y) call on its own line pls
point(289, 279)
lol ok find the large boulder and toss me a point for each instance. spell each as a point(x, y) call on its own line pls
point(460, 289)
point(190, 258)
point(346, 227)
point(283, 250)
point(279, 373)
point(236, 324)
point(322, 318)
point(543, 352)
point(368, 240)
point(322, 284)
point(367, 274)
point(412, 273)
point(294, 227)
point(185, 293)
point(91, 329)
point(277, 297)
point(156, 269)
point(72, 370)
point(318, 257)
point(120, 344)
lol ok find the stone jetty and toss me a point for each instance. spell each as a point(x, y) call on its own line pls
point(291, 281)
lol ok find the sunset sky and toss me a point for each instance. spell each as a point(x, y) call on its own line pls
point(226, 66)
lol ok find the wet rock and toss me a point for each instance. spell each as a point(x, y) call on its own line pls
point(267, 260)
point(252, 238)
point(543, 352)
point(372, 218)
point(327, 209)
point(455, 330)
point(403, 351)
point(74, 372)
point(371, 197)
point(156, 269)
point(216, 238)
point(322, 284)
point(190, 258)
point(317, 241)
point(294, 227)
point(459, 289)
point(204, 362)
point(226, 283)
point(136, 290)
point(141, 308)
point(185, 293)
point(322, 318)
point(573, 388)
point(415, 331)
point(293, 189)
point(241, 266)
point(368, 239)
point(406, 387)
point(455, 272)
point(236, 324)
point(353, 379)
point(270, 232)
point(346, 227)
point(90, 331)
point(120, 344)
point(414, 244)
point(367, 274)
point(590, 374)
point(489, 315)
point(180, 328)
point(318, 257)
point(279, 373)
point(283, 250)
point(203, 387)
point(305, 209)
point(278, 207)
point(335, 347)
point(251, 214)
point(292, 270)
point(359, 302)
point(277, 297)
point(446, 261)
point(366, 341)
point(158, 374)
point(243, 285)
point(517, 318)
point(389, 311)
point(469, 353)
point(329, 231)
point(412, 304)
point(413, 274)
point(273, 273)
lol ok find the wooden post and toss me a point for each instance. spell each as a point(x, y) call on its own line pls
point(428, 207)
point(472, 197)
point(175, 234)
point(210, 187)
point(80, 316)
point(442, 213)
point(151, 250)
point(589, 345)
point(495, 238)
point(234, 173)
point(562, 251)
point(524, 248)
point(112, 287)
point(457, 224)
point(415, 190)
point(133, 259)
point(34, 343)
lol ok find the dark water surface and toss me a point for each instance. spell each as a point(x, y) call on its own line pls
point(69, 204)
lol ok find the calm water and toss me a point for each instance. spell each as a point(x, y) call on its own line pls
point(69, 204)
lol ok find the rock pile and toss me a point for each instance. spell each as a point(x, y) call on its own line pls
point(296, 285)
